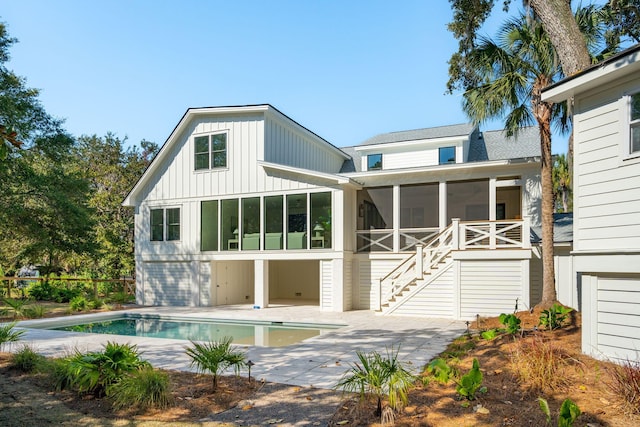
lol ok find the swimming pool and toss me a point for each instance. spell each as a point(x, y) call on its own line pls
point(258, 333)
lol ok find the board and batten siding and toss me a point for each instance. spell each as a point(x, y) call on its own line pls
point(434, 300)
point(607, 191)
point(168, 284)
point(287, 145)
point(489, 288)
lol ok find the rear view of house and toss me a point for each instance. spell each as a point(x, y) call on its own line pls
point(606, 179)
point(243, 205)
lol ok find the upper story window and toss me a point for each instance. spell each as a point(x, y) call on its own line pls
point(211, 151)
point(634, 122)
point(165, 224)
point(374, 162)
point(446, 155)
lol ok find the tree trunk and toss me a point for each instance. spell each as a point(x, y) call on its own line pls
point(549, 295)
point(560, 24)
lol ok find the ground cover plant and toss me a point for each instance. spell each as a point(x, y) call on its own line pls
point(509, 401)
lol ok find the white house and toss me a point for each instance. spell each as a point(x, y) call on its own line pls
point(606, 180)
point(242, 205)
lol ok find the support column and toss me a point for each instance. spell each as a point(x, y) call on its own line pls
point(261, 283)
point(442, 205)
point(492, 199)
point(396, 218)
point(337, 268)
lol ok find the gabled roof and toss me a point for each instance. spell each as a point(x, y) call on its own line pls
point(194, 112)
point(449, 131)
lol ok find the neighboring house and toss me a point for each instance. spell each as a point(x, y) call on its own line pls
point(242, 205)
point(606, 189)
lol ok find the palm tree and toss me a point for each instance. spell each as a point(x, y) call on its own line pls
point(510, 76)
point(561, 182)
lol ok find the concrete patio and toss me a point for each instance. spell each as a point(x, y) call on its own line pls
point(316, 362)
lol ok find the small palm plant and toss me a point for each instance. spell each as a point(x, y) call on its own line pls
point(8, 334)
point(379, 376)
point(14, 306)
point(215, 357)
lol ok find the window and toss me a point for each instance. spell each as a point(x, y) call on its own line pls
point(210, 151)
point(446, 155)
point(634, 122)
point(209, 225)
point(374, 162)
point(165, 224)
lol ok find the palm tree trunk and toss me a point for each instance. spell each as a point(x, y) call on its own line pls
point(549, 295)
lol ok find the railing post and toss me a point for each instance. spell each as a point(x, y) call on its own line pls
point(526, 232)
point(379, 296)
point(455, 235)
point(419, 261)
point(492, 234)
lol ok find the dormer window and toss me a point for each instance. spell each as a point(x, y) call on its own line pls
point(210, 151)
point(446, 155)
point(374, 162)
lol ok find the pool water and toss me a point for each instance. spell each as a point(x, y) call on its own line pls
point(263, 334)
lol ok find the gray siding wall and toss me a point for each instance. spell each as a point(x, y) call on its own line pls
point(606, 188)
point(434, 300)
point(168, 283)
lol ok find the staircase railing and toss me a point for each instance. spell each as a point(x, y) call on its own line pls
point(414, 267)
point(503, 234)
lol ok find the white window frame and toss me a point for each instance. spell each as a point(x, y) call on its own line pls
point(165, 223)
point(210, 151)
point(628, 156)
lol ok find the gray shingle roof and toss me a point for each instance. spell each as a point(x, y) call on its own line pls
point(417, 134)
point(494, 145)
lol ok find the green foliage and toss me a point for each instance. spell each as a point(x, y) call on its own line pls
point(214, 357)
point(79, 303)
point(554, 317)
point(27, 360)
point(35, 311)
point(440, 370)
point(144, 388)
point(511, 323)
point(94, 372)
point(8, 334)
point(490, 334)
point(15, 307)
point(569, 412)
point(471, 383)
point(562, 193)
point(379, 376)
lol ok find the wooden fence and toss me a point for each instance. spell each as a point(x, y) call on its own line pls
point(128, 284)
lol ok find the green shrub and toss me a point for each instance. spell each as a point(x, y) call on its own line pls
point(554, 317)
point(35, 311)
point(95, 371)
point(27, 360)
point(79, 303)
point(490, 334)
point(511, 323)
point(214, 357)
point(143, 388)
point(569, 412)
point(15, 307)
point(95, 304)
point(440, 370)
point(379, 376)
point(42, 291)
point(471, 383)
point(8, 334)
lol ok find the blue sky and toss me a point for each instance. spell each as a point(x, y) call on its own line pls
point(347, 70)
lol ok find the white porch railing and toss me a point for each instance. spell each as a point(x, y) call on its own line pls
point(468, 235)
point(382, 240)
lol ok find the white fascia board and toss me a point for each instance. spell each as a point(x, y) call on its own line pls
point(186, 118)
point(331, 178)
point(388, 146)
point(593, 78)
point(444, 168)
